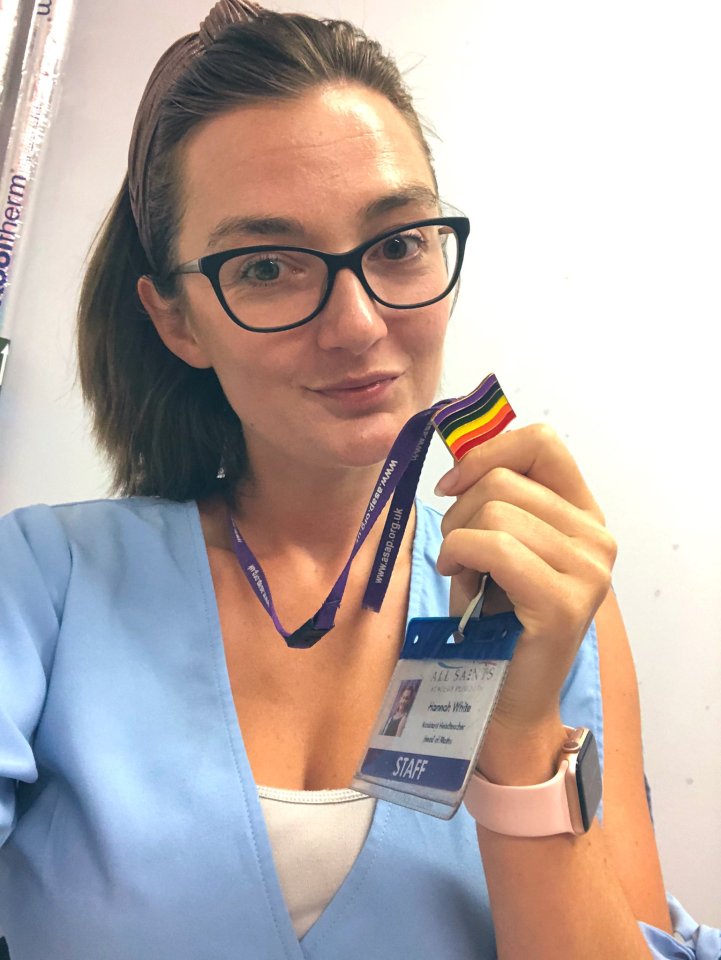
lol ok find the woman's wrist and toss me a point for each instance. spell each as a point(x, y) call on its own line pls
point(521, 757)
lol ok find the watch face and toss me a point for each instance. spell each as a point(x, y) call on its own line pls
point(588, 780)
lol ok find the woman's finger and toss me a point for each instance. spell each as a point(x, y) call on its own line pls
point(536, 452)
point(563, 553)
point(546, 601)
point(501, 484)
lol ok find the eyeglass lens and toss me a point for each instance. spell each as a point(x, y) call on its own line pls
point(273, 288)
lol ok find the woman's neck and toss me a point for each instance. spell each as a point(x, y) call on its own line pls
point(308, 527)
point(318, 510)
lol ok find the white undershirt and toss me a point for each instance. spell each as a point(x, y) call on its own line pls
point(315, 836)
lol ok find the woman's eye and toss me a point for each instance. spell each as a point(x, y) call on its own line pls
point(264, 271)
point(403, 246)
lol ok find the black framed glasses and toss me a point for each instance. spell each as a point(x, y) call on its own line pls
point(269, 288)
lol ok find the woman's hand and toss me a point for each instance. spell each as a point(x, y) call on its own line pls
point(524, 515)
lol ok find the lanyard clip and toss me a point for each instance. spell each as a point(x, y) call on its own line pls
point(306, 636)
point(473, 610)
point(315, 628)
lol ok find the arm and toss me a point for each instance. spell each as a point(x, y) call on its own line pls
point(524, 514)
point(30, 605)
point(627, 824)
point(580, 897)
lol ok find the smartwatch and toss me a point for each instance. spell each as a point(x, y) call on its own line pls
point(567, 803)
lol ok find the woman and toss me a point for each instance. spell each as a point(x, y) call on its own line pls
point(396, 722)
point(135, 653)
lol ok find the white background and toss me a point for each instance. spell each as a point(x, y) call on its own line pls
point(583, 141)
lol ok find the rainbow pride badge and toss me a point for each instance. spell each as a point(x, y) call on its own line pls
point(468, 422)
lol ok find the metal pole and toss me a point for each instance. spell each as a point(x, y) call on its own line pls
point(31, 118)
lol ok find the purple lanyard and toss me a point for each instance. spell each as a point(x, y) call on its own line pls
point(399, 476)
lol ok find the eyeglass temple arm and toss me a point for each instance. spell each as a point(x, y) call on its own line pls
point(193, 266)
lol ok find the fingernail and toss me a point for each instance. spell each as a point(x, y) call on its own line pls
point(447, 484)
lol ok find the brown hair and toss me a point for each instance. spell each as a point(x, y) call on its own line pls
point(166, 427)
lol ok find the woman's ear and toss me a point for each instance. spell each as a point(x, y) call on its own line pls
point(171, 322)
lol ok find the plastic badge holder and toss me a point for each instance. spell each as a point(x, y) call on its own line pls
point(436, 710)
point(442, 694)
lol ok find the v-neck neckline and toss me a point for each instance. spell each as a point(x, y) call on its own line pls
point(360, 870)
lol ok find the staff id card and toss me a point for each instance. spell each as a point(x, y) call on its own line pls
point(430, 728)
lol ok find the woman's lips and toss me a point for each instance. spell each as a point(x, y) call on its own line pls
point(367, 391)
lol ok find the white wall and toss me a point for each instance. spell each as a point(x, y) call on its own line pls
point(582, 140)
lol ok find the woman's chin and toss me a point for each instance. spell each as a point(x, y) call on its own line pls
point(358, 448)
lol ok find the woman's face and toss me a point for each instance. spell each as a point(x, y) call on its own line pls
point(327, 171)
point(405, 700)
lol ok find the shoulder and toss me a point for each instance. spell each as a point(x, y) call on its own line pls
point(89, 518)
point(52, 535)
point(106, 548)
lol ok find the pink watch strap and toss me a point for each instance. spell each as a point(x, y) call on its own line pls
point(540, 810)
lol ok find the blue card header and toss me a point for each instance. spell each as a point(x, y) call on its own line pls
point(486, 638)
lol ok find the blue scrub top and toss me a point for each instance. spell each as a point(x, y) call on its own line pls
point(129, 821)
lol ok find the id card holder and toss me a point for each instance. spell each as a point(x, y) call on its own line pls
point(427, 736)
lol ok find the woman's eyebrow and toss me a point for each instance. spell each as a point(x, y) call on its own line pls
point(256, 227)
point(403, 197)
point(259, 226)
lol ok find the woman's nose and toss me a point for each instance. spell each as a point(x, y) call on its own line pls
point(351, 319)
